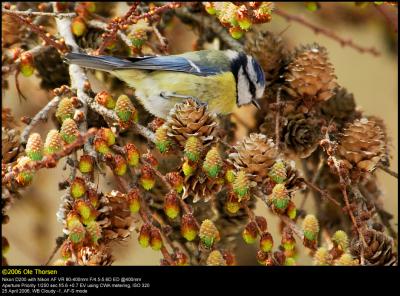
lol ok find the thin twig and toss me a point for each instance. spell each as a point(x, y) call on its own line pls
point(389, 171)
point(41, 115)
point(209, 23)
point(38, 30)
point(331, 34)
point(322, 192)
point(391, 18)
point(130, 18)
point(143, 215)
point(162, 39)
point(115, 27)
point(78, 77)
point(103, 26)
point(59, 242)
point(290, 223)
point(277, 119)
point(50, 161)
point(251, 215)
point(321, 164)
point(29, 13)
point(293, 226)
point(8, 69)
point(383, 214)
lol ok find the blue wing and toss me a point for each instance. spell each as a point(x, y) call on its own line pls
point(171, 63)
point(160, 63)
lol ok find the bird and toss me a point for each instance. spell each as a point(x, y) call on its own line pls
point(219, 79)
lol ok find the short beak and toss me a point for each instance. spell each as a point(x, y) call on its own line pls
point(256, 103)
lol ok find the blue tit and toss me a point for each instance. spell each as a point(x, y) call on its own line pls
point(220, 79)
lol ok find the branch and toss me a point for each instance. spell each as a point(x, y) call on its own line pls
point(391, 18)
point(212, 24)
point(50, 161)
point(7, 69)
point(41, 115)
point(384, 215)
point(30, 13)
point(103, 26)
point(251, 215)
point(162, 39)
point(277, 119)
point(59, 241)
point(389, 171)
point(323, 193)
point(115, 26)
point(143, 215)
point(331, 34)
point(79, 80)
point(49, 39)
point(292, 225)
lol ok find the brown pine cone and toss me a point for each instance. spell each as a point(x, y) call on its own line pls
point(51, 68)
point(255, 154)
point(91, 256)
point(386, 156)
point(9, 144)
point(294, 181)
point(341, 106)
point(379, 251)
point(201, 187)
point(362, 145)
point(189, 119)
point(269, 50)
point(301, 135)
point(310, 76)
point(115, 218)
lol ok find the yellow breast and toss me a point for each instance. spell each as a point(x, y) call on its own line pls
point(218, 91)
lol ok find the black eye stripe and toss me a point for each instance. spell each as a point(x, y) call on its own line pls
point(236, 63)
point(251, 83)
point(241, 61)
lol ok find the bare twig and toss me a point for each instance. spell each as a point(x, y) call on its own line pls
point(391, 18)
point(79, 80)
point(41, 32)
point(115, 27)
point(8, 69)
point(212, 24)
point(143, 215)
point(277, 119)
point(162, 39)
point(29, 13)
point(322, 192)
point(321, 164)
point(41, 115)
point(389, 171)
point(252, 218)
point(50, 161)
point(383, 214)
point(59, 242)
point(291, 224)
point(103, 26)
point(331, 34)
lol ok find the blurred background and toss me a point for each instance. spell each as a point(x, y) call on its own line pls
point(33, 226)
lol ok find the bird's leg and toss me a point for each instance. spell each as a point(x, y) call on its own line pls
point(175, 95)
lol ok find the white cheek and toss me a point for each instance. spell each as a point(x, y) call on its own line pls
point(244, 95)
